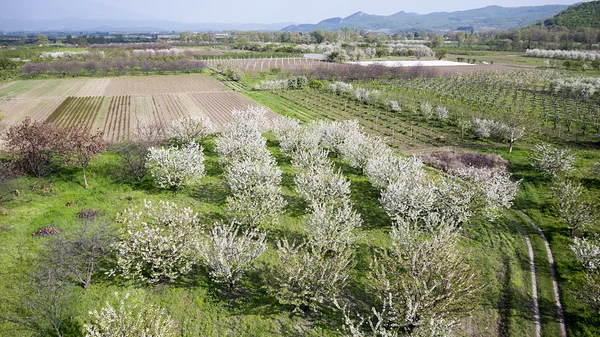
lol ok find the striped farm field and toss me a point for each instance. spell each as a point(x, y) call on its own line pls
point(116, 105)
point(77, 110)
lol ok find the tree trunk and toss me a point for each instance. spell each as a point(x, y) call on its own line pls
point(85, 184)
point(510, 147)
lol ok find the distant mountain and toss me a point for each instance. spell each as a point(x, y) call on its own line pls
point(123, 25)
point(491, 17)
point(583, 15)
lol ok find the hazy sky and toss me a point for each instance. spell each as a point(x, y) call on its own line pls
point(248, 11)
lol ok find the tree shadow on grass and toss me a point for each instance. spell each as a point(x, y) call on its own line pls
point(366, 202)
point(211, 193)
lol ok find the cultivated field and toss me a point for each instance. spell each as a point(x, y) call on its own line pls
point(114, 105)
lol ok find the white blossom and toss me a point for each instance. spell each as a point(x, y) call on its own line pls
point(309, 275)
point(550, 160)
point(228, 254)
point(174, 167)
point(358, 148)
point(395, 106)
point(441, 113)
point(158, 244)
point(332, 226)
point(574, 207)
point(426, 110)
point(587, 252)
point(494, 187)
point(322, 184)
point(145, 320)
point(188, 129)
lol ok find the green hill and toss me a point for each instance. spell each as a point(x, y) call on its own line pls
point(583, 15)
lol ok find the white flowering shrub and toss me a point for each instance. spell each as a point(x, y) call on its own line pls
point(384, 170)
point(587, 252)
point(341, 88)
point(228, 254)
point(288, 131)
point(424, 277)
point(395, 106)
point(582, 87)
point(482, 128)
point(251, 172)
point(408, 198)
point(441, 113)
point(426, 110)
point(333, 134)
point(573, 206)
point(64, 54)
point(550, 160)
point(294, 138)
point(358, 148)
point(273, 85)
point(174, 167)
point(233, 146)
point(458, 201)
point(145, 320)
point(361, 95)
point(260, 200)
point(254, 118)
point(191, 128)
point(314, 158)
point(158, 243)
point(331, 226)
point(584, 55)
point(309, 275)
point(248, 173)
point(422, 51)
point(241, 137)
point(494, 188)
point(322, 185)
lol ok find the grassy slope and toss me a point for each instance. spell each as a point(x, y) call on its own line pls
point(498, 250)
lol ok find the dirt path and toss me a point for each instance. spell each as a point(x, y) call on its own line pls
point(559, 310)
point(534, 294)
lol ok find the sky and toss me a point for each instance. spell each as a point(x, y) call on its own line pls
point(238, 11)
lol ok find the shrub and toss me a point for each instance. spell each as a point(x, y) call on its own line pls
point(143, 320)
point(426, 110)
point(441, 113)
point(229, 255)
point(550, 160)
point(316, 84)
point(191, 128)
point(158, 244)
point(33, 143)
point(173, 167)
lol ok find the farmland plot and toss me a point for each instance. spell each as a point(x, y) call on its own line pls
point(118, 119)
point(77, 110)
point(161, 85)
point(218, 105)
point(35, 89)
point(114, 105)
point(93, 87)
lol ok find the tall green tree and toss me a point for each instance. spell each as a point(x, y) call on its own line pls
point(42, 40)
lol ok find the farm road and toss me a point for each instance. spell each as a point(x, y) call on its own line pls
point(559, 309)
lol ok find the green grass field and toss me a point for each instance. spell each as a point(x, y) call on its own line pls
point(204, 308)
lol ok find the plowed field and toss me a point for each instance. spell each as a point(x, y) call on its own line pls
point(115, 105)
